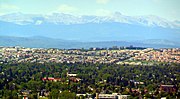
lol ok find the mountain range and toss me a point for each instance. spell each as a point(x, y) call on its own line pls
point(67, 19)
point(44, 42)
point(117, 27)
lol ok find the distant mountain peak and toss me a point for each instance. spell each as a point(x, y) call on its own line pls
point(62, 18)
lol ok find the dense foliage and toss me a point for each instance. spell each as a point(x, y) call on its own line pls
point(102, 78)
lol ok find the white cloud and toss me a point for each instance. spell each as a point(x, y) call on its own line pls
point(8, 8)
point(67, 8)
point(102, 1)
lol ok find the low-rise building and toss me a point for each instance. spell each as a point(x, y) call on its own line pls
point(168, 88)
point(111, 96)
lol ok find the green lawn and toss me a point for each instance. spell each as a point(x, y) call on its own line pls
point(43, 98)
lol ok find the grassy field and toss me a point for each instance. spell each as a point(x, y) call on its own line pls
point(43, 97)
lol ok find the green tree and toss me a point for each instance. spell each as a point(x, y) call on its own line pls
point(67, 95)
point(54, 94)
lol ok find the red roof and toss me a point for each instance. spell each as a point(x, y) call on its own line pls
point(50, 78)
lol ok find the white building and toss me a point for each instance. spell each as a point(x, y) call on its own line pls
point(111, 96)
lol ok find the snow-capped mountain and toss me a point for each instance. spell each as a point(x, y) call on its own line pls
point(61, 18)
point(115, 27)
point(19, 18)
point(156, 21)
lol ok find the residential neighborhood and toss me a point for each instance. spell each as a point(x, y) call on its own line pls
point(95, 55)
point(95, 73)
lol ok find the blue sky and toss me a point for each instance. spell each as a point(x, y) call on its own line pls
point(167, 9)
